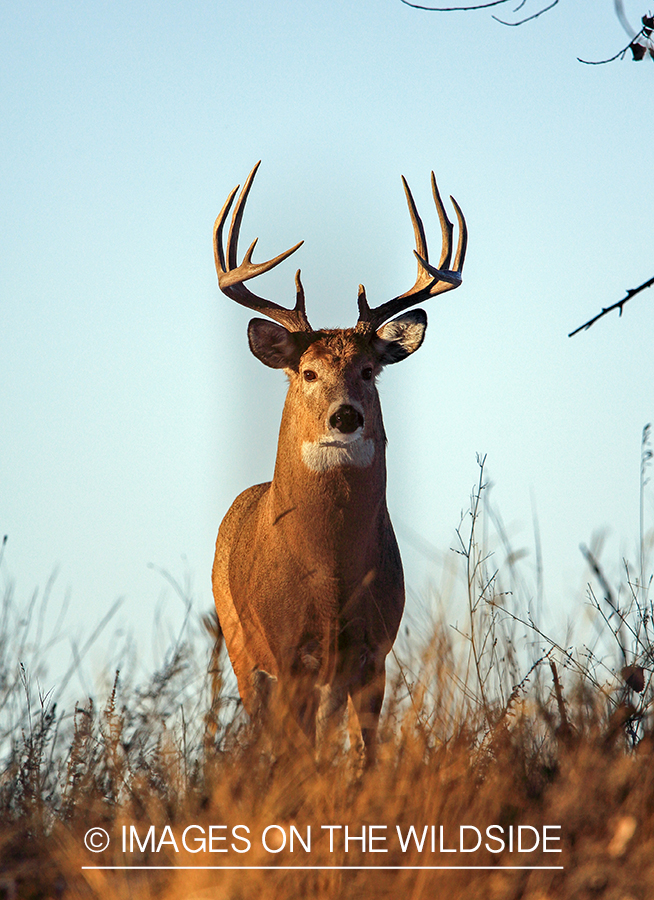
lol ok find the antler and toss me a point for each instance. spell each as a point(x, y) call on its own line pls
point(231, 275)
point(430, 280)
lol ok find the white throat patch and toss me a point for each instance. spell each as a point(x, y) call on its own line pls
point(329, 453)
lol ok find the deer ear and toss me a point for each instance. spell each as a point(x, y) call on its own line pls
point(274, 345)
point(400, 337)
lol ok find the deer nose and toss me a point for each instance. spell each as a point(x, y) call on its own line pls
point(346, 419)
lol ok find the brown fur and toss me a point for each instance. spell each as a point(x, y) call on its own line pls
point(307, 576)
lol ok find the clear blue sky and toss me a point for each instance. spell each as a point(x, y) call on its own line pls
point(131, 412)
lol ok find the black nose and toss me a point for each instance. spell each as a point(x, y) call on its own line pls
point(346, 419)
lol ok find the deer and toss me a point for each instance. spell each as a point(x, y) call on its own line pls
point(307, 576)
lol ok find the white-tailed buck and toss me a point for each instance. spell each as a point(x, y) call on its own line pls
point(307, 576)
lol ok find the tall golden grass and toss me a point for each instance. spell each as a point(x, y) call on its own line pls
point(493, 723)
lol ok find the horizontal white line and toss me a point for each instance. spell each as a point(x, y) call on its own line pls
point(322, 868)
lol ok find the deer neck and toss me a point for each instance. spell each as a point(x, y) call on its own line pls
point(323, 494)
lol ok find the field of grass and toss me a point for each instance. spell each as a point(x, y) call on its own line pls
point(511, 765)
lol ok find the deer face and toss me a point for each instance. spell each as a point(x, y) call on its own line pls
point(333, 399)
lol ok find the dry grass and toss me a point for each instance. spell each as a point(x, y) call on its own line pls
point(481, 727)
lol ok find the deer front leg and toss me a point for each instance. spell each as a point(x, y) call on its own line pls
point(329, 718)
point(367, 701)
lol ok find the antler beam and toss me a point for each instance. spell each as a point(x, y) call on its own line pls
point(430, 280)
point(231, 275)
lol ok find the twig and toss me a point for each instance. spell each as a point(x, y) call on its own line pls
point(565, 653)
point(609, 600)
point(454, 8)
point(620, 53)
point(528, 18)
point(645, 462)
point(600, 62)
point(89, 643)
point(630, 293)
point(484, 6)
point(472, 566)
point(565, 729)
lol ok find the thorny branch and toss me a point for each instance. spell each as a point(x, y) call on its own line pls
point(630, 293)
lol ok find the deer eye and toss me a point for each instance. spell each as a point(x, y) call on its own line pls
point(309, 375)
point(366, 373)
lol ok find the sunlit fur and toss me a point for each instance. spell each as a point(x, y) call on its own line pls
point(307, 577)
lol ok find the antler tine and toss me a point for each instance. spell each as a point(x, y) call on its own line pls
point(450, 280)
point(430, 280)
point(416, 221)
point(462, 243)
point(231, 275)
point(446, 226)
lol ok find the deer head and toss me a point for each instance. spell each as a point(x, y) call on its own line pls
point(332, 372)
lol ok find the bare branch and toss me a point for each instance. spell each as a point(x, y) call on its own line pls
point(484, 6)
point(528, 18)
point(645, 32)
point(600, 62)
point(630, 293)
point(619, 11)
point(454, 8)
